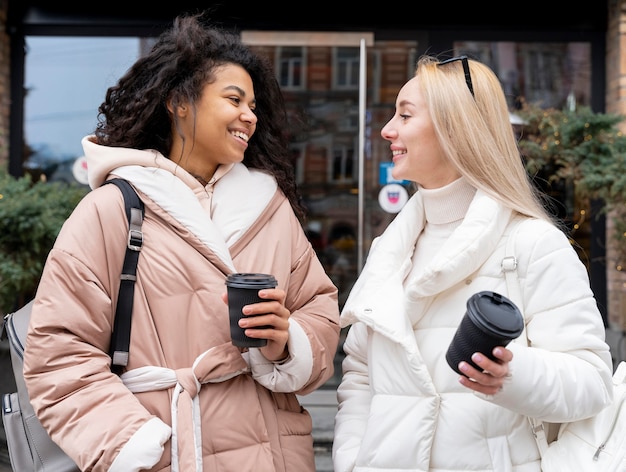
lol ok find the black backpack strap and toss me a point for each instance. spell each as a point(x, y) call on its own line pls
point(120, 340)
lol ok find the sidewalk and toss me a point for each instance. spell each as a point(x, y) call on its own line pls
point(321, 404)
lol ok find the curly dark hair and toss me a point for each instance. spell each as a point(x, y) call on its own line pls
point(179, 65)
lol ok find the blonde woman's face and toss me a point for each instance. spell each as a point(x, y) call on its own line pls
point(415, 149)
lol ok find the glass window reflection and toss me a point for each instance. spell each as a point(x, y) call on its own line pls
point(66, 79)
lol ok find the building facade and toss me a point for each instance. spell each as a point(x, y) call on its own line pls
point(340, 77)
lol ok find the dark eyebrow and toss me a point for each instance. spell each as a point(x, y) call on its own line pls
point(238, 89)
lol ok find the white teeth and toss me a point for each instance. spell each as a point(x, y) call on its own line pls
point(397, 153)
point(241, 135)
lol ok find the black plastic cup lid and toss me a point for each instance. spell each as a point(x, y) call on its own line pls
point(495, 314)
point(251, 280)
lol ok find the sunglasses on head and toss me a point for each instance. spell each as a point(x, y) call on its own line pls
point(466, 70)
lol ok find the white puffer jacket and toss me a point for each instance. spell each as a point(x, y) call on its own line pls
point(401, 406)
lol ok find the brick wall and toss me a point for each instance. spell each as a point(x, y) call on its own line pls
point(616, 103)
point(5, 89)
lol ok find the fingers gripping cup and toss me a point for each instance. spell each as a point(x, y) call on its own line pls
point(491, 320)
point(243, 289)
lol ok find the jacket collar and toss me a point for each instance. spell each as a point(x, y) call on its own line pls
point(377, 296)
point(238, 194)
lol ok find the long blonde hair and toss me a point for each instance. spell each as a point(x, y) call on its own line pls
point(476, 134)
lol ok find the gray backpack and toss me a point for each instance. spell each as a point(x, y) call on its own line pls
point(30, 446)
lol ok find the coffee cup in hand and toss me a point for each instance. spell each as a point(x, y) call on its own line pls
point(243, 289)
point(490, 320)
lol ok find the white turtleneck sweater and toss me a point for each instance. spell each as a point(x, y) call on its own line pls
point(445, 208)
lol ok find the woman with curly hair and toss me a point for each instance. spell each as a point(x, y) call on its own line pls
point(198, 127)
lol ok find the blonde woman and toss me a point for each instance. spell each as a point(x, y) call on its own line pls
point(401, 406)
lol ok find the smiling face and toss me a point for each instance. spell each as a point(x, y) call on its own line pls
point(217, 128)
point(417, 154)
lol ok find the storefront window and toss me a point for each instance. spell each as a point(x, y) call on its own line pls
point(553, 75)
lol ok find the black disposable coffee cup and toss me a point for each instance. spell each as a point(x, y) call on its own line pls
point(243, 289)
point(491, 320)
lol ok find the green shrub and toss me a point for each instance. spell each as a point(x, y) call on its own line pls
point(583, 151)
point(31, 216)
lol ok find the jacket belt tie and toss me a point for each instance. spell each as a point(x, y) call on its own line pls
point(215, 365)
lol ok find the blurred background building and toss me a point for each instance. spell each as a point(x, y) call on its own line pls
point(340, 69)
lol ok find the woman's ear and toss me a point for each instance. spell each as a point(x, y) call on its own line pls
point(181, 109)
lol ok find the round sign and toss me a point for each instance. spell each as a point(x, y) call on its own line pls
point(392, 198)
point(79, 170)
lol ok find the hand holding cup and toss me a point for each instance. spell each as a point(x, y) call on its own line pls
point(490, 320)
point(243, 289)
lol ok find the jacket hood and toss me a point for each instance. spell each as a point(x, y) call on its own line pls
point(103, 160)
point(219, 214)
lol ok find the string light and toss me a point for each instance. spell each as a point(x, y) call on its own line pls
point(581, 220)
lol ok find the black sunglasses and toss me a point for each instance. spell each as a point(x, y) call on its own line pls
point(466, 70)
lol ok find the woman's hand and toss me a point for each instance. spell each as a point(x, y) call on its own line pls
point(274, 318)
point(491, 378)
